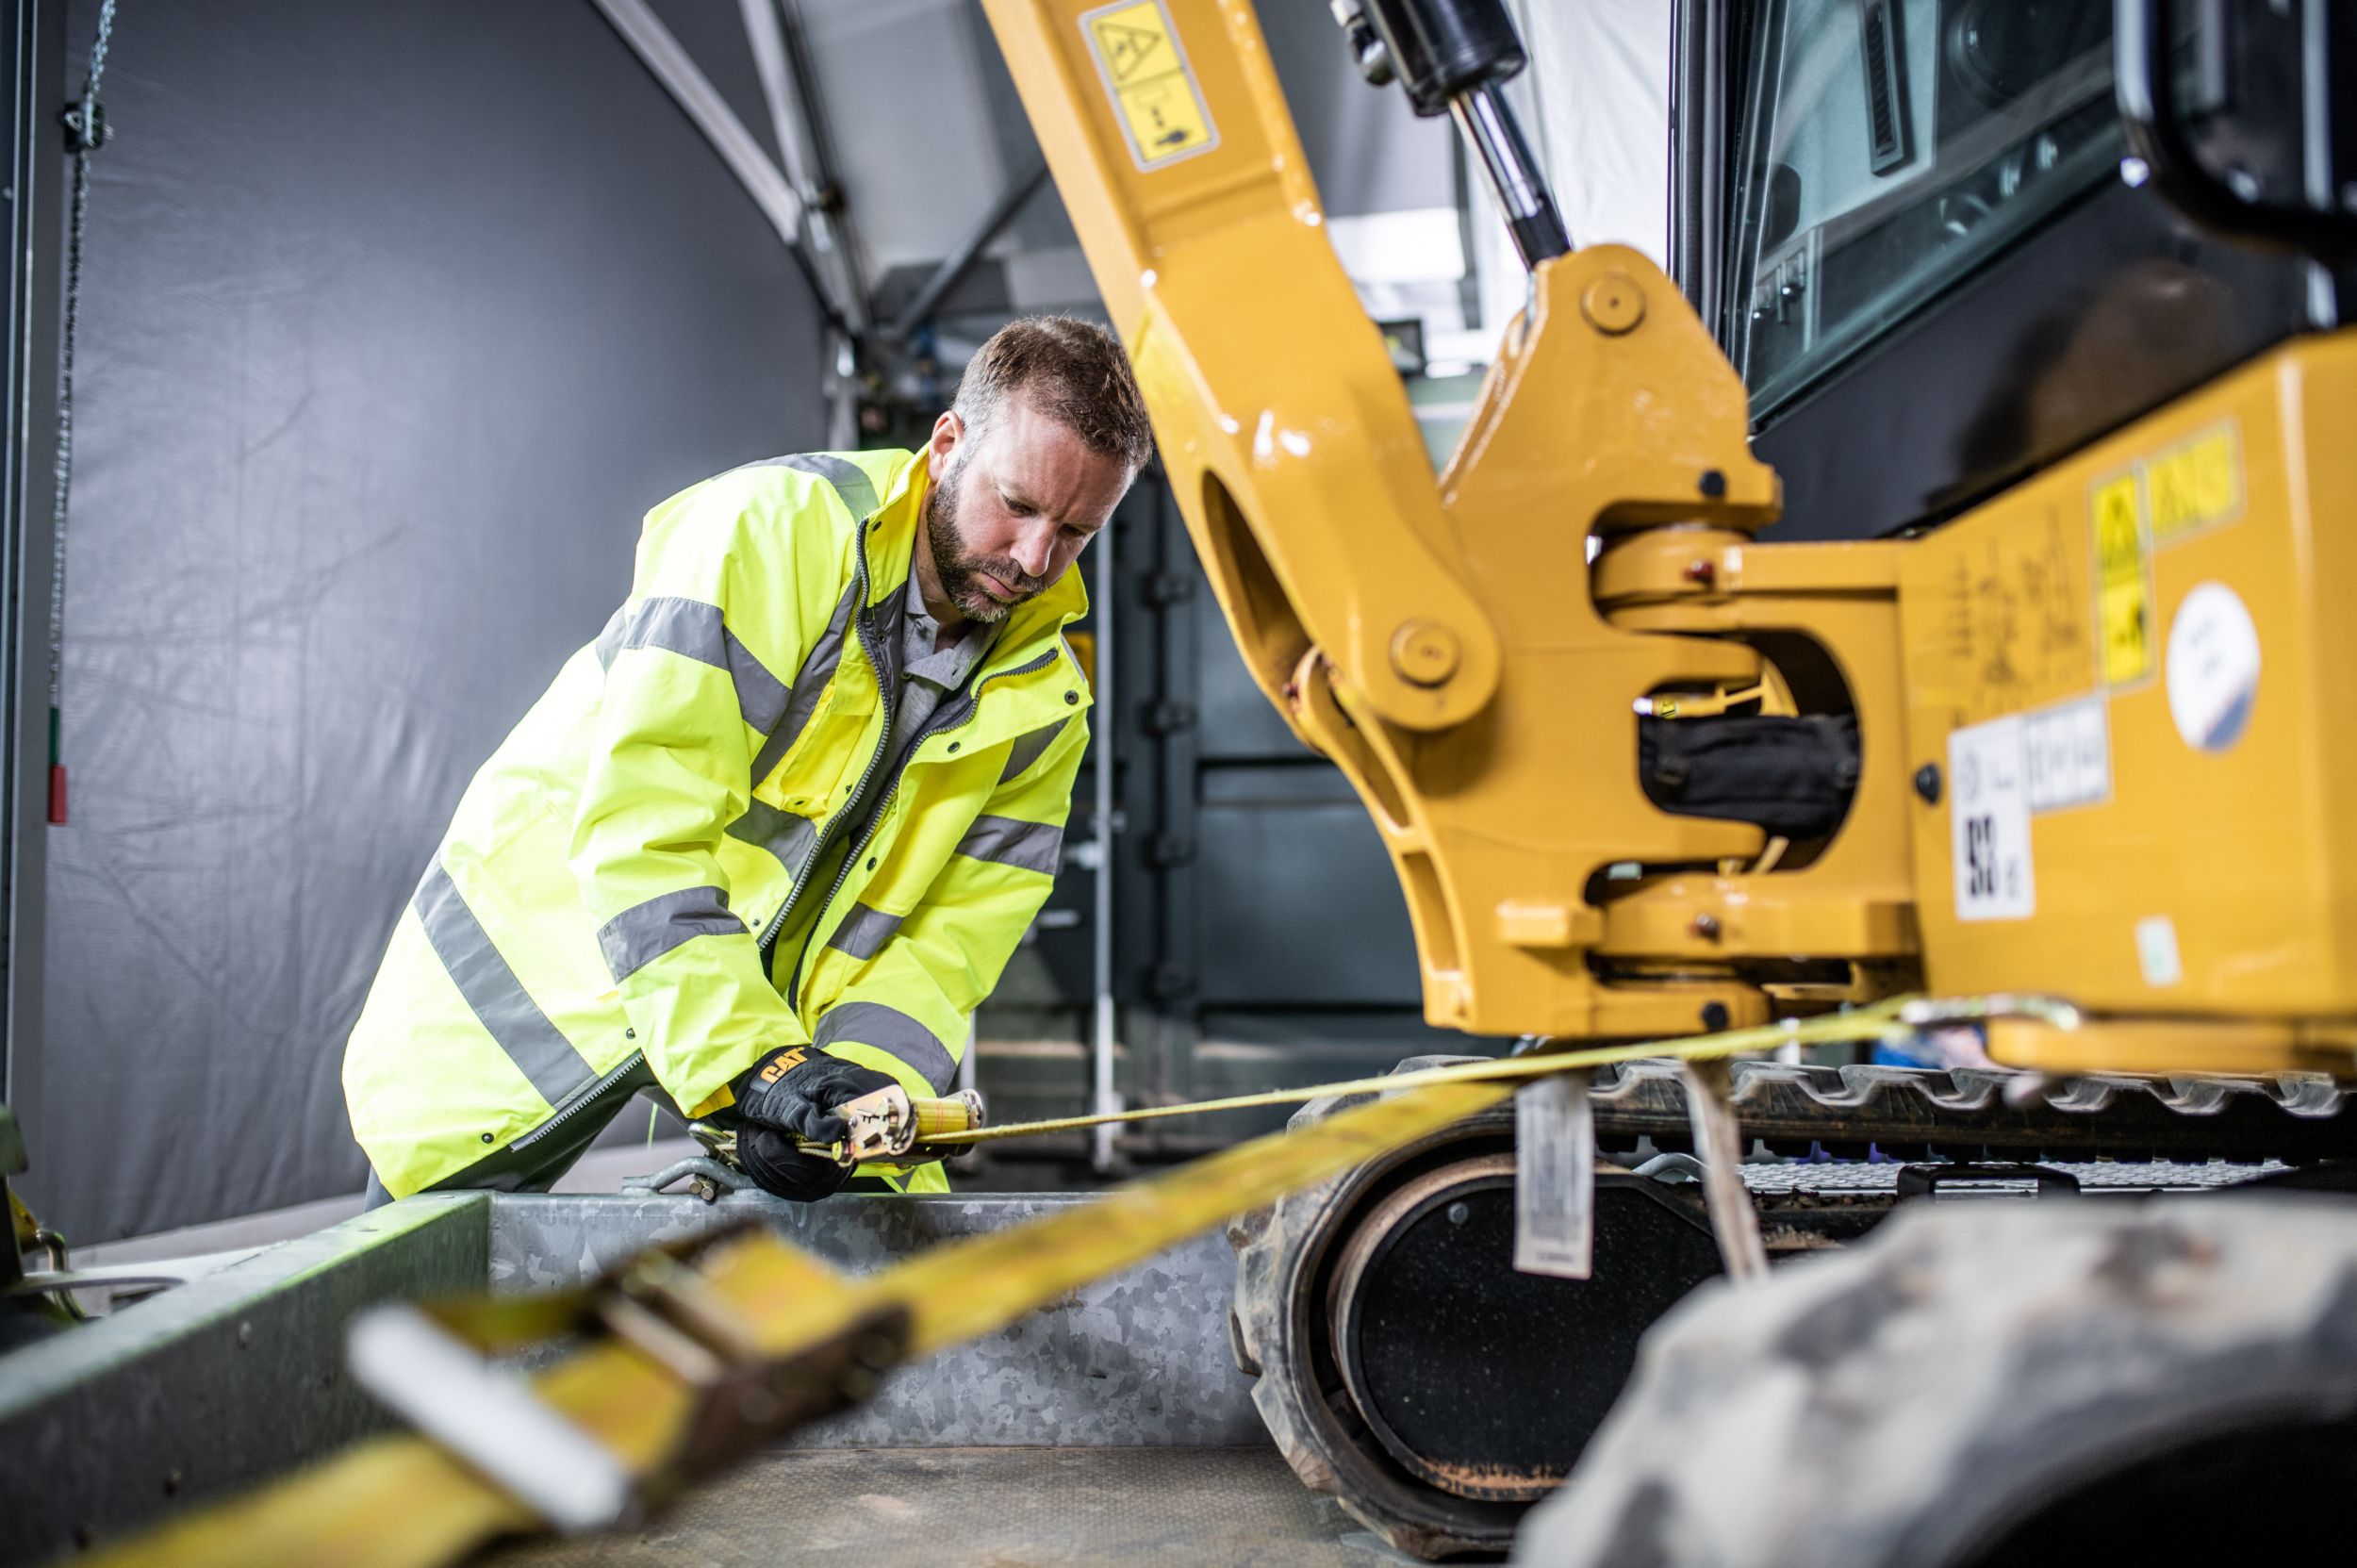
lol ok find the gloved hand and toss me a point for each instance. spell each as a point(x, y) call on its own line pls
point(796, 1090)
point(778, 1168)
point(792, 1094)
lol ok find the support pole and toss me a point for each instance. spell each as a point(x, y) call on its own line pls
point(653, 43)
point(34, 217)
point(1105, 1099)
point(802, 149)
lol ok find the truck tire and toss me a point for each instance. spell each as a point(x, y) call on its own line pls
point(1406, 1369)
point(1990, 1385)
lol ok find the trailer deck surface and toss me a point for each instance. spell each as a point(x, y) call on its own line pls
point(991, 1508)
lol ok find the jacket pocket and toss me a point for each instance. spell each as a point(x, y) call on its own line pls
point(821, 770)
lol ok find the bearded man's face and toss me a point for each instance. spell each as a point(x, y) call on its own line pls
point(984, 588)
point(1012, 506)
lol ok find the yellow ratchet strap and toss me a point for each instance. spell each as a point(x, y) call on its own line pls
point(700, 1352)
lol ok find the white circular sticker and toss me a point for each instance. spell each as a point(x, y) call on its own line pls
point(2213, 668)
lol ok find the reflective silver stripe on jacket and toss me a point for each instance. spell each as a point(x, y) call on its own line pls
point(1012, 841)
point(889, 1030)
point(1029, 749)
point(850, 482)
point(500, 1004)
point(694, 630)
point(809, 683)
point(863, 931)
point(644, 932)
point(781, 833)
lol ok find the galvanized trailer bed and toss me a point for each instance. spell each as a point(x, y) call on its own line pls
point(993, 1507)
point(1112, 1426)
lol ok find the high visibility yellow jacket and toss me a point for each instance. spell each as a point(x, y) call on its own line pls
point(606, 908)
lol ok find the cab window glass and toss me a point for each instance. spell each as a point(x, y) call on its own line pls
point(1894, 145)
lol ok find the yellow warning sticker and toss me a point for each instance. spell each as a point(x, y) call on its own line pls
point(2198, 484)
point(1153, 88)
point(2123, 581)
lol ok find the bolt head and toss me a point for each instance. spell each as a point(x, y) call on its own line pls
point(1613, 303)
point(1927, 783)
point(1702, 573)
point(1706, 927)
point(1425, 653)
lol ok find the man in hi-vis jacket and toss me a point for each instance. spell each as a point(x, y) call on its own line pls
point(765, 844)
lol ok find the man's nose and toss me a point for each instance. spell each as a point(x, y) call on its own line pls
point(1034, 549)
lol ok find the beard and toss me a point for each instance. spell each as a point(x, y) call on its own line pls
point(960, 569)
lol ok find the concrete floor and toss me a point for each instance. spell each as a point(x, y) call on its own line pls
point(991, 1507)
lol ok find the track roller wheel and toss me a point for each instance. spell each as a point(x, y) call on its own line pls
point(1406, 1369)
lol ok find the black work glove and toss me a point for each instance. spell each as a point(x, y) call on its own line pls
point(796, 1091)
point(778, 1168)
point(792, 1094)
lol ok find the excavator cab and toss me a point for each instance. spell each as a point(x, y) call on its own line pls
point(1973, 236)
point(1889, 150)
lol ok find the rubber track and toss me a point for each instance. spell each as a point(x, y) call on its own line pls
point(1912, 1112)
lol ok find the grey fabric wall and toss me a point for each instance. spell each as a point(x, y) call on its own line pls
point(397, 315)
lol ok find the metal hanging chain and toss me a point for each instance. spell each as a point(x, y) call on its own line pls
point(86, 132)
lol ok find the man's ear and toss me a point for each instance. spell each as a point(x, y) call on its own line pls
point(948, 431)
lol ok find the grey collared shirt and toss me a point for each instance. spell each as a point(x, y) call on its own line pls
point(928, 677)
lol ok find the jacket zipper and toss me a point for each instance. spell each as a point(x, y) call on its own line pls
point(575, 1101)
point(861, 623)
point(875, 820)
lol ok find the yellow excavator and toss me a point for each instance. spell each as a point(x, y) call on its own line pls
point(1924, 591)
point(1928, 588)
point(2036, 797)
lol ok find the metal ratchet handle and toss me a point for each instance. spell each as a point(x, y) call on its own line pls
point(892, 1126)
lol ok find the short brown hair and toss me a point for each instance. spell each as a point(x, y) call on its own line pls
point(1074, 372)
